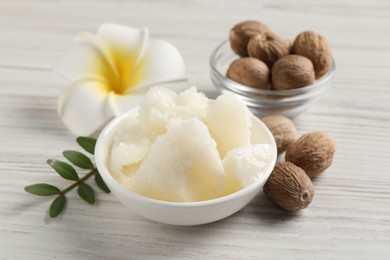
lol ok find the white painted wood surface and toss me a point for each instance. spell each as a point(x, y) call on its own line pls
point(350, 215)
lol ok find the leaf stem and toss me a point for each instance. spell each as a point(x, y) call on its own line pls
point(83, 179)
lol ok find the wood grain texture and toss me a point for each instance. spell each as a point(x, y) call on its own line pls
point(350, 215)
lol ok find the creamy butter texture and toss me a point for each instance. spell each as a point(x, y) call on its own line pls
point(185, 147)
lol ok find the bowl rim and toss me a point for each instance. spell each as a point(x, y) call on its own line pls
point(243, 88)
point(103, 147)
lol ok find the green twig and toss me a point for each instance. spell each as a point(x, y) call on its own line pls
point(83, 179)
point(68, 172)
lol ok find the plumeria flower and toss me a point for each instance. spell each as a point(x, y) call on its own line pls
point(110, 72)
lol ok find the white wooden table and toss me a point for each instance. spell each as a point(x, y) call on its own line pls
point(350, 215)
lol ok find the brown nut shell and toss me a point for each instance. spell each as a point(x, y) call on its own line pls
point(292, 71)
point(283, 130)
point(289, 187)
point(313, 152)
point(289, 45)
point(316, 48)
point(250, 72)
point(268, 48)
point(242, 32)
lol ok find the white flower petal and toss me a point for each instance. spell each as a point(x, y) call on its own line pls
point(126, 44)
point(83, 106)
point(122, 103)
point(88, 58)
point(117, 60)
point(161, 62)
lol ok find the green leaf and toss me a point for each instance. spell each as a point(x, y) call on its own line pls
point(86, 193)
point(87, 143)
point(100, 183)
point(65, 170)
point(57, 206)
point(42, 189)
point(78, 159)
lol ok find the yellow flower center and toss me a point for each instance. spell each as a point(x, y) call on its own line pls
point(128, 75)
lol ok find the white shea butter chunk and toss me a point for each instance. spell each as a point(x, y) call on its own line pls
point(130, 146)
point(229, 122)
point(184, 147)
point(182, 165)
point(246, 164)
point(161, 104)
point(140, 130)
point(257, 133)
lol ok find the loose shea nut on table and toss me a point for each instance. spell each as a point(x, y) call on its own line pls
point(283, 130)
point(289, 187)
point(313, 152)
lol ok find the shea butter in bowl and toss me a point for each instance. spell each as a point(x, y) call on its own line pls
point(183, 159)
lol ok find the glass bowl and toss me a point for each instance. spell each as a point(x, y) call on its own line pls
point(289, 103)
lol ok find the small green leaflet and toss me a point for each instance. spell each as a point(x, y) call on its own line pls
point(100, 183)
point(69, 172)
point(42, 189)
point(57, 206)
point(86, 193)
point(87, 143)
point(78, 159)
point(65, 170)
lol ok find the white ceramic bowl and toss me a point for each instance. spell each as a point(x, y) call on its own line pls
point(176, 213)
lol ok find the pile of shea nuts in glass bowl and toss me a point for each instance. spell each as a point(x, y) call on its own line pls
point(272, 75)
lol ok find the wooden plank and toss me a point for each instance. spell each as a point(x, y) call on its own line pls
point(350, 215)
